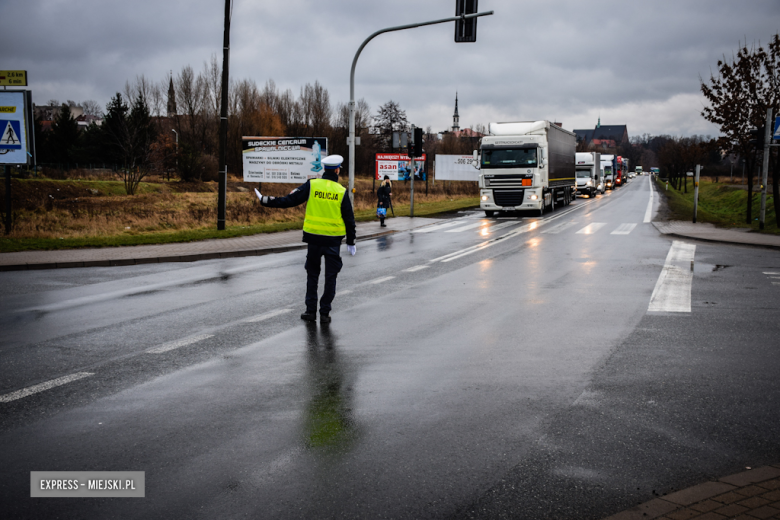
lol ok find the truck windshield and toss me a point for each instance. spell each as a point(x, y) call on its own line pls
point(583, 174)
point(517, 158)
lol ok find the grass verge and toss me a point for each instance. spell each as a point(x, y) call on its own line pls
point(719, 204)
point(422, 209)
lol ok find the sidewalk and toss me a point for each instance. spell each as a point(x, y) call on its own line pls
point(253, 245)
point(748, 495)
point(710, 233)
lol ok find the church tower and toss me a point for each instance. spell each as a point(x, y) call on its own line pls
point(455, 116)
point(171, 98)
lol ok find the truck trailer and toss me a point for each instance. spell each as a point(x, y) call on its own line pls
point(526, 165)
point(588, 170)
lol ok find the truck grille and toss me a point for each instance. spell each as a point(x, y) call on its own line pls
point(508, 197)
point(506, 180)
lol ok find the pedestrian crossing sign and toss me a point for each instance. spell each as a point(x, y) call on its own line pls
point(776, 133)
point(9, 140)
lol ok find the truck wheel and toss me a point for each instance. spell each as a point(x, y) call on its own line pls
point(489, 213)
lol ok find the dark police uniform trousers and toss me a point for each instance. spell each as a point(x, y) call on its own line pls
point(333, 265)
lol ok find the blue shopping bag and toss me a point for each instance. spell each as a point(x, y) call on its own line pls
point(381, 212)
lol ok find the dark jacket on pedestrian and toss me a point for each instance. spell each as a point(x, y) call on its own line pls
point(300, 195)
point(383, 195)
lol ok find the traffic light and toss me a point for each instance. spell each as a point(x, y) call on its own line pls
point(757, 136)
point(416, 150)
point(465, 30)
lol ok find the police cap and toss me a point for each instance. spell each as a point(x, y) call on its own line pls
point(332, 162)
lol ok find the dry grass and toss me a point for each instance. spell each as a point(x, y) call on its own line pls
point(69, 216)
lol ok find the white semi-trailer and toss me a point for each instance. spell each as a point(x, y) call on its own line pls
point(588, 170)
point(526, 165)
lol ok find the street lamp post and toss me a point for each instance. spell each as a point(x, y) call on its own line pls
point(177, 152)
point(351, 139)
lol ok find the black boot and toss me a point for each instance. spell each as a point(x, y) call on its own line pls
point(309, 316)
point(324, 318)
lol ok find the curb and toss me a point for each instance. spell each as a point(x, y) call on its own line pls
point(748, 495)
point(715, 240)
point(179, 258)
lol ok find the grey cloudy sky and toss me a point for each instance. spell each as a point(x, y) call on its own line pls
point(630, 62)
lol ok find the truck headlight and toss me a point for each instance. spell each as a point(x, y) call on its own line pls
point(534, 197)
point(484, 198)
point(590, 182)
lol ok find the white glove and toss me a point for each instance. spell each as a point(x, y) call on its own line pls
point(352, 250)
point(259, 195)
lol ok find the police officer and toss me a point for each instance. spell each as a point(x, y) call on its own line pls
point(329, 218)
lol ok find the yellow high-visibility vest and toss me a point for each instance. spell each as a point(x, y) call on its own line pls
point(323, 209)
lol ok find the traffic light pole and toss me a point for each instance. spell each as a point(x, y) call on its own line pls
point(351, 138)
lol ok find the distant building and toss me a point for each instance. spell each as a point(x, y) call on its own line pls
point(605, 136)
point(49, 112)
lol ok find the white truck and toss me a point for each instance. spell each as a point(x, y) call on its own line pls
point(588, 171)
point(526, 165)
point(607, 166)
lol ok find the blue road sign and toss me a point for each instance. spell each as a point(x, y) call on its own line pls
point(9, 139)
point(776, 133)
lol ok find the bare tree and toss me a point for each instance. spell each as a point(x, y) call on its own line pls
point(92, 108)
point(739, 95)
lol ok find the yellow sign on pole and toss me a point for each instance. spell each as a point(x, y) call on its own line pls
point(13, 78)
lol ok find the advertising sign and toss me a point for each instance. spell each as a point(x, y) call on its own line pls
point(283, 159)
point(456, 168)
point(397, 166)
point(14, 139)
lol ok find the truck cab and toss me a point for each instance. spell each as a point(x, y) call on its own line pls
point(588, 172)
point(525, 165)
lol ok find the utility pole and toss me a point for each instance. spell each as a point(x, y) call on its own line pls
point(767, 142)
point(223, 122)
point(411, 190)
point(696, 192)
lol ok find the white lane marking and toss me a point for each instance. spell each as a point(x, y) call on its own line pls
point(467, 226)
point(30, 390)
point(415, 268)
point(502, 225)
point(171, 345)
point(672, 291)
point(436, 227)
point(771, 273)
point(463, 252)
point(591, 228)
point(649, 210)
point(342, 293)
point(624, 229)
point(380, 280)
point(267, 315)
point(560, 227)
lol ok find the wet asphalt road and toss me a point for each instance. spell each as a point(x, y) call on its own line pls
point(490, 377)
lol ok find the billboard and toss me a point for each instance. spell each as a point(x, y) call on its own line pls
point(16, 146)
point(397, 166)
point(456, 168)
point(283, 159)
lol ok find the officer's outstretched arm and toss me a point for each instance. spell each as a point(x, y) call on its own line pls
point(296, 197)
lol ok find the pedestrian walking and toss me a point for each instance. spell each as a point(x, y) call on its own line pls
point(383, 202)
point(329, 218)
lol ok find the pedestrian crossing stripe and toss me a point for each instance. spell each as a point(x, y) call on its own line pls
point(10, 137)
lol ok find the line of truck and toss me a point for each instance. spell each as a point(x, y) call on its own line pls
point(534, 166)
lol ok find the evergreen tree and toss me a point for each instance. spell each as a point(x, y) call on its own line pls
point(115, 131)
point(64, 136)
